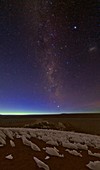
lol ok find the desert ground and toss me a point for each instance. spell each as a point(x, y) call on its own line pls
point(74, 144)
point(85, 123)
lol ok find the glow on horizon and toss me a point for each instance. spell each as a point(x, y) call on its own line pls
point(43, 113)
point(34, 113)
point(28, 113)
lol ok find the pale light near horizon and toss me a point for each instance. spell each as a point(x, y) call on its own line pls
point(27, 113)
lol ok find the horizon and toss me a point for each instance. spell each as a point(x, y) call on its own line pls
point(44, 113)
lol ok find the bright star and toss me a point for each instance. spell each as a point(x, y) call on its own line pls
point(75, 27)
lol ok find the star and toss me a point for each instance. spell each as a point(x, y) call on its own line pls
point(75, 27)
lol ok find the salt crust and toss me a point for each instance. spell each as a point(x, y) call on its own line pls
point(12, 143)
point(70, 140)
point(41, 164)
point(53, 151)
point(9, 157)
point(73, 152)
point(94, 165)
point(93, 154)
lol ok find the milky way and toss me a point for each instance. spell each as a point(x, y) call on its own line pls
point(49, 56)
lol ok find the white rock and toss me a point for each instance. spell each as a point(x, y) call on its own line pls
point(9, 133)
point(35, 147)
point(29, 143)
point(94, 154)
point(25, 133)
point(32, 133)
point(2, 141)
point(26, 141)
point(2, 134)
point(12, 143)
point(41, 164)
point(69, 145)
point(82, 146)
point(73, 152)
point(53, 151)
point(47, 157)
point(94, 165)
point(51, 142)
point(70, 140)
point(1, 145)
point(18, 136)
point(9, 157)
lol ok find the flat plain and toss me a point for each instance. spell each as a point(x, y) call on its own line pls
point(86, 123)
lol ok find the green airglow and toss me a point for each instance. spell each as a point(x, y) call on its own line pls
point(26, 113)
point(43, 113)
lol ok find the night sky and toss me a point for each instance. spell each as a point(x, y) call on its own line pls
point(49, 56)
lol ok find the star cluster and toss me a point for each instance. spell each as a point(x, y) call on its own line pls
point(49, 56)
